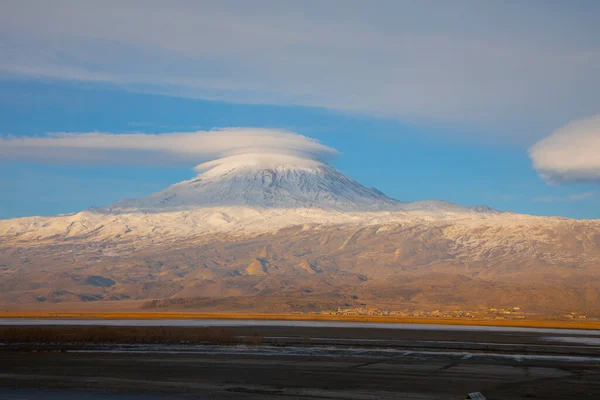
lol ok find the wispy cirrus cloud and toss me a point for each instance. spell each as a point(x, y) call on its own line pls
point(427, 61)
point(566, 198)
point(584, 195)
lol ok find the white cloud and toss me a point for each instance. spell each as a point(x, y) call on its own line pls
point(494, 65)
point(571, 154)
point(207, 148)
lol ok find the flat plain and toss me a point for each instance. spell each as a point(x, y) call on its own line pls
point(291, 361)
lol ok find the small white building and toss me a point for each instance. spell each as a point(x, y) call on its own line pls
point(475, 396)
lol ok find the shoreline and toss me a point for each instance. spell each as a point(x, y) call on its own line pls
point(557, 324)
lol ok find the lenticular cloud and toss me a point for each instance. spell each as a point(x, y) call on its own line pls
point(571, 154)
point(178, 148)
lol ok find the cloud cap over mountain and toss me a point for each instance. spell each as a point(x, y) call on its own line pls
point(177, 148)
point(571, 154)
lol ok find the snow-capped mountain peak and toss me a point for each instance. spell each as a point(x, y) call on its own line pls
point(261, 182)
point(276, 182)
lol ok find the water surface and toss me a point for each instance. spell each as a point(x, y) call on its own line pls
point(284, 323)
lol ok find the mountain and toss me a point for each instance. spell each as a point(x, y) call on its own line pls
point(264, 235)
point(249, 194)
point(279, 185)
point(276, 186)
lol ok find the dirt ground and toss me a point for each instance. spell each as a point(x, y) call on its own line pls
point(309, 362)
point(225, 376)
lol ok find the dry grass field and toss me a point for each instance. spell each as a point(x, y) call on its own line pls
point(560, 324)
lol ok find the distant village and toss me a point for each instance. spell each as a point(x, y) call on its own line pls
point(489, 313)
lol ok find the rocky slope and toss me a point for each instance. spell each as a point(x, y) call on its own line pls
point(284, 238)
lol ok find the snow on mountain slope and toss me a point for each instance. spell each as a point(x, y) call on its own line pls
point(281, 224)
point(241, 193)
point(274, 185)
point(285, 182)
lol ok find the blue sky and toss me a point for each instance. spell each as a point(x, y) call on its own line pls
point(404, 161)
point(443, 111)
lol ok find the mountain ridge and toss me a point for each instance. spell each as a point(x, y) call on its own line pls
point(281, 237)
point(286, 186)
